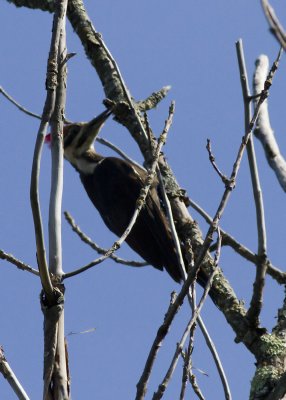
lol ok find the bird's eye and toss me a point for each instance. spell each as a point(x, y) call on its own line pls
point(70, 133)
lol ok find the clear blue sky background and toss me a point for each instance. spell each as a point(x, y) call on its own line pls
point(191, 46)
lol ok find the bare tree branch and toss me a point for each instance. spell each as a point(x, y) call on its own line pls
point(117, 150)
point(162, 387)
point(142, 383)
point(213, 163)
point(8, 374)
point(21, 108)
point(202, 326)
point(153, 100)
point(56, 373)
point(279, 391)
point(193, 380)
point(275, 25)
point(95, 247)
point(263, 130)
point(257, 296)
point(19, 264)
point(228, 240)
point(34, 187)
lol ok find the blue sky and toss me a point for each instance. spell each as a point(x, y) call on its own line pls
point(189, 45)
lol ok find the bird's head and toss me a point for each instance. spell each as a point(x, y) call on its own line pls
point(78, 138)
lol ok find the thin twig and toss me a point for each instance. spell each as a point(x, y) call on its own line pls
point(192, 379)
point(117, 150)
point(162, 387)
point(261, 267)
point(140, 201)
point(8, 374)
point(25, 110)
point(21, 108)
point(275, 25)
point(228, 240)
point(216, 358)
point(142, 383)
point(213, 163)
point(19, 264)
point(187, 363)
point(171, 223)
point(95, 246)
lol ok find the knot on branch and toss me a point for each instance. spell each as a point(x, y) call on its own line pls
point(58, 298)
point(52, 75)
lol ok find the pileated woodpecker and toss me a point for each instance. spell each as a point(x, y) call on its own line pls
point(113, 186)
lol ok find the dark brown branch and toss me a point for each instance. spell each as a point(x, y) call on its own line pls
point(279, 391)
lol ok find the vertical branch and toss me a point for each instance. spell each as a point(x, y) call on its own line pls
point(57, 123)
point(58, 382)
point(55, 375)
point(261, 266)
point(257, 191)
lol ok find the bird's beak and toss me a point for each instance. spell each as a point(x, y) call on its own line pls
point(93, 127)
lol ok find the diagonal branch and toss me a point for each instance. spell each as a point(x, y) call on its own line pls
point(179, 348)
point(8, 374)
point(21, 108)
point(275, 25)
point(19, 264)
point(95, 247)
point(228, 240)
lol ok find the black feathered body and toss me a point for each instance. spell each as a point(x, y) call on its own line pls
point(113, 188)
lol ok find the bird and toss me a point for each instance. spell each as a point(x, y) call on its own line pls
point(113, 186)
